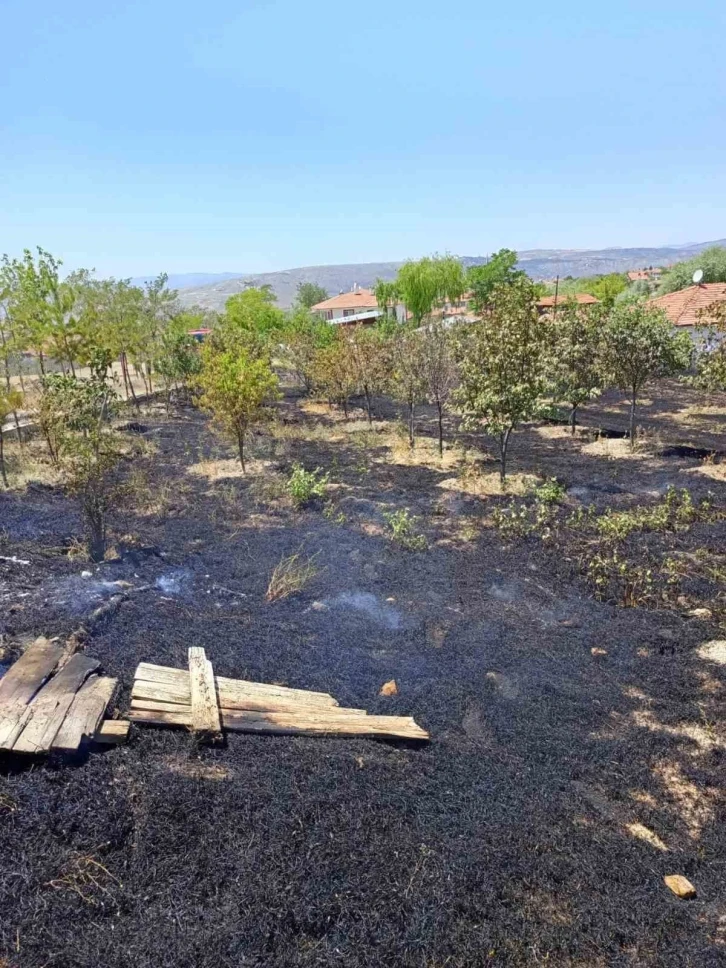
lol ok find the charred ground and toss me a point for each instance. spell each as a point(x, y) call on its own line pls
point(558, 789)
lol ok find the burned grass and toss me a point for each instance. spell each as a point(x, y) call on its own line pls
point(558, 790)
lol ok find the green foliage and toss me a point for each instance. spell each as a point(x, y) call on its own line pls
point(402, 525)
point(575, 372)
point(712, 261)
point(10, 402)
point(370, 359)
point(521, 520)
point(638, 346)
point(549, 491)
point(332, 371)
point(310, 294)
point(503, 362)
point(500, 270)
point(387, 295)
point(428, 282)
point(252, 311)
point(711, 359)
point(237, 389)
point(676, 512)
point(304, 336)
point(305, 486)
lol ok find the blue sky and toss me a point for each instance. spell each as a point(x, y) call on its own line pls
point(137, 137)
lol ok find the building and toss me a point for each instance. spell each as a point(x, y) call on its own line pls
point(548, 304)
point(645, 275)
point(358, 307)
point(688, 309)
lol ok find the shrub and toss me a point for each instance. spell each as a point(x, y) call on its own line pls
point(549, 492)
point(304, 486)
point(402, 525)
point(291, 575)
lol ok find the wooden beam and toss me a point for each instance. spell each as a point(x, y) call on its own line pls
point(45, 715)
point(228, 699)
point(296, 724)
point(161, 705)
point(26, 676)
point(112, 731)
point(85, 714)
point(205, 711)
point(229, 689)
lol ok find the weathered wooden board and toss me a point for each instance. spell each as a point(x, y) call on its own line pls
point(113, 731)
point(205, 711)
point(26, 676)
point(296, 724)
point(46, 713)
point(85, 713)
point(228, 690)
point(162, 705)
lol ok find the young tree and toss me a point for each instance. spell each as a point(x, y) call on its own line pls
point(439, 370)
point(576, 369)
point(711, 261)
point(10, 402)
point(253, 311)
point(503, 365)
point(237, 388)
point(499, 270)
point(387, 295)
point(370, 358)
point(333, 371)
point(309, 294)
point(303, 337)
point(638, 346)
point(178, 361)
point(711, 358)
point(407, 376)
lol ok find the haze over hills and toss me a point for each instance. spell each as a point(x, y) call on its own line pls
point(538, 263)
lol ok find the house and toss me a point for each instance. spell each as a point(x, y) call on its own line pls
point(357, 307)
point(688, 308)
point(645, 275)
point(548, 304)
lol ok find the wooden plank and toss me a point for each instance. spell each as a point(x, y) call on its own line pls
point(169, 692)
point(48, 710)
point(177, 707)
point(297, 724)
point(229, 689)
point(85, 714)
point(26, 676)
point(205, 711)
point(112, 731)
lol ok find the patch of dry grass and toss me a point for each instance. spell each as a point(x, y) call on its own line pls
point(290, 576)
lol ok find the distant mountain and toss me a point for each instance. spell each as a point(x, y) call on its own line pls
point(538, 263)
point(183, 280)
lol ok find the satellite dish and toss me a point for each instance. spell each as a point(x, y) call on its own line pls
point(697, 276)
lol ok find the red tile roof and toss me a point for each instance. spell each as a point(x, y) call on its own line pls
point(683, 307)
point(583, 298)
point(358, 299)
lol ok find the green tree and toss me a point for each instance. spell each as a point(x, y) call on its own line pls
point(711, 261)
point(503, 363)
point(576, 371)
point(607, 288)
point(333, 372)
point(309, 294)
point(237, 389)
point(303, 337)
point(178, 361)
point(711, 358)
point(252, 311)
point(639, 345)
point(10, 402)
point(499, 270)
point(387, 295)
point(407, 376)
point(424, 284)
point(371, 362)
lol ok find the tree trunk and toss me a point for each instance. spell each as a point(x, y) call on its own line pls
point(411, 409)
point(440, 409)
point(125, 364)
point(96, 538)
point(573, 418)
point(2, 459)
point(345, 407)
point(503, 444)
point(17, 428)
point(367, 393)
point(41, 360)
point(124, 374)
point(241, 445)
point(632, 419)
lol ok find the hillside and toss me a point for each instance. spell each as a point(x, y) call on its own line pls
point(538, 263)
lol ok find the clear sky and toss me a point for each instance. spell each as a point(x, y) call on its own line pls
point(242, 136)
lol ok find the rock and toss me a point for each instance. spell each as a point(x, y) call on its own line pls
point(596, 652)
point(680, 885)
point(702, 613)
point(86, 574)
point(319, 607)
point(389, 688)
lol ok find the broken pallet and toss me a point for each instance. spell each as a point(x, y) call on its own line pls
point(48, 703)
point(164, 696)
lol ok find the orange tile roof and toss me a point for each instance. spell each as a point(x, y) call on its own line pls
point(583, 298)
point(358, 299)
point(637, 276)
point(682, 308)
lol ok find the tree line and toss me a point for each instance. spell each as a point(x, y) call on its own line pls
point(511, 365)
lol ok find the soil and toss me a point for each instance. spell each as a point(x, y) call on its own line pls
point(536, 827)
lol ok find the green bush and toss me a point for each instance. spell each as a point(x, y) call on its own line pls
point(402, 525)
point(549, 491)
point(304, 486)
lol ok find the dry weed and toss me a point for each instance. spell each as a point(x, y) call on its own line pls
point(291, 575)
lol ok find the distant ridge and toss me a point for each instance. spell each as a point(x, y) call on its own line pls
point(538, 263)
